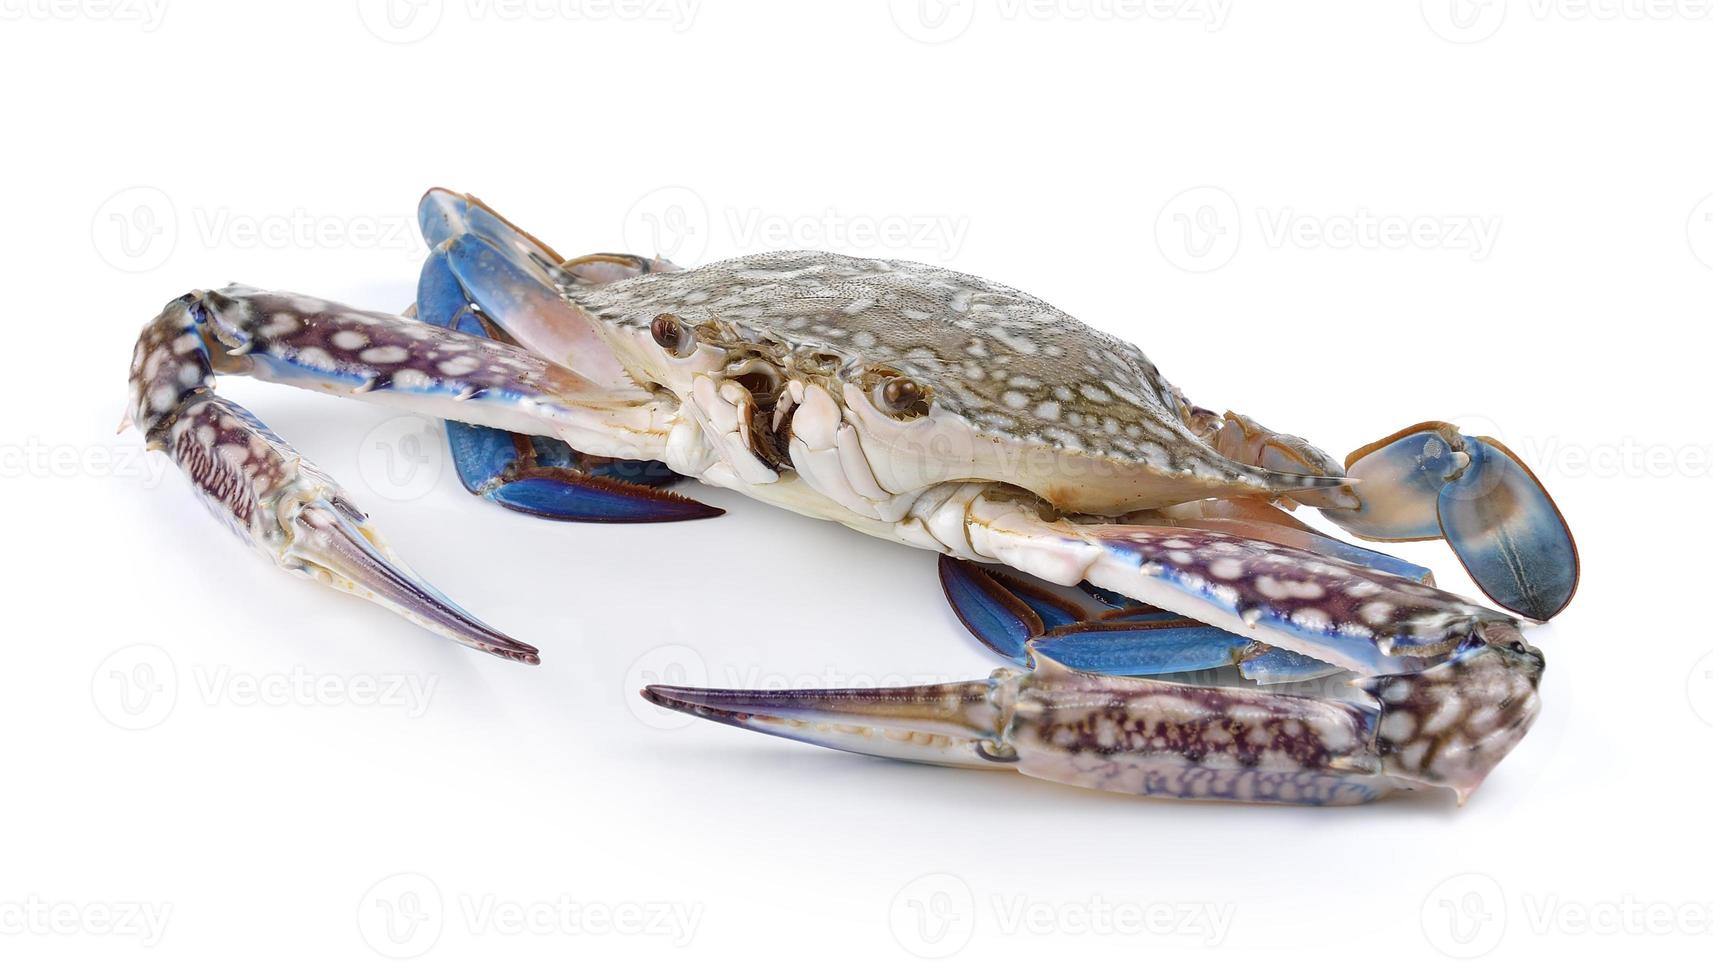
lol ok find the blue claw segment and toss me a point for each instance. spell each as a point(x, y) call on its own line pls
point(535, 474)
point(1018, 620)
point(1400, 480)
point(1508, 533)
point(480, 261)
point(1431, 481)
point(513, 471)
point(444, 215)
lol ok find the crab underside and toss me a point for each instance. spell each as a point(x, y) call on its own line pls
point(1169, 628)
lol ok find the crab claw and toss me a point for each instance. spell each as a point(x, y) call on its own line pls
point(301, 520)
point(271, 497)
point(1122, 734)
point(953, 724)
point(531, 474)
point(1431, 481)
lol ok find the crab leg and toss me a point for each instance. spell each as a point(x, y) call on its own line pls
point(1450, 686)
point(1020, 620)
point(280, 503)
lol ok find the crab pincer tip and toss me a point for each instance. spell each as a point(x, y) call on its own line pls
point(692, 701)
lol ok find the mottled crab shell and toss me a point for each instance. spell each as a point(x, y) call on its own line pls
point(1078, 417)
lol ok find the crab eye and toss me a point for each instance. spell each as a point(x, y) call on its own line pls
point(668, 331)
point(902, 397)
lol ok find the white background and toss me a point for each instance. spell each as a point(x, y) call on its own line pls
point(1194, 177)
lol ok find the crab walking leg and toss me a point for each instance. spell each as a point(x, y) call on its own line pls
point(275, 499)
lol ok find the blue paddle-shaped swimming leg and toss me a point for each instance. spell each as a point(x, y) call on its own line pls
point(1019, 619)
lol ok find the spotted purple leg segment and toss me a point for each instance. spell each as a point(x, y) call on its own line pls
point(271, 497)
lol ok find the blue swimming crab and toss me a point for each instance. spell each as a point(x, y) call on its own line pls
point(1132, 556)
